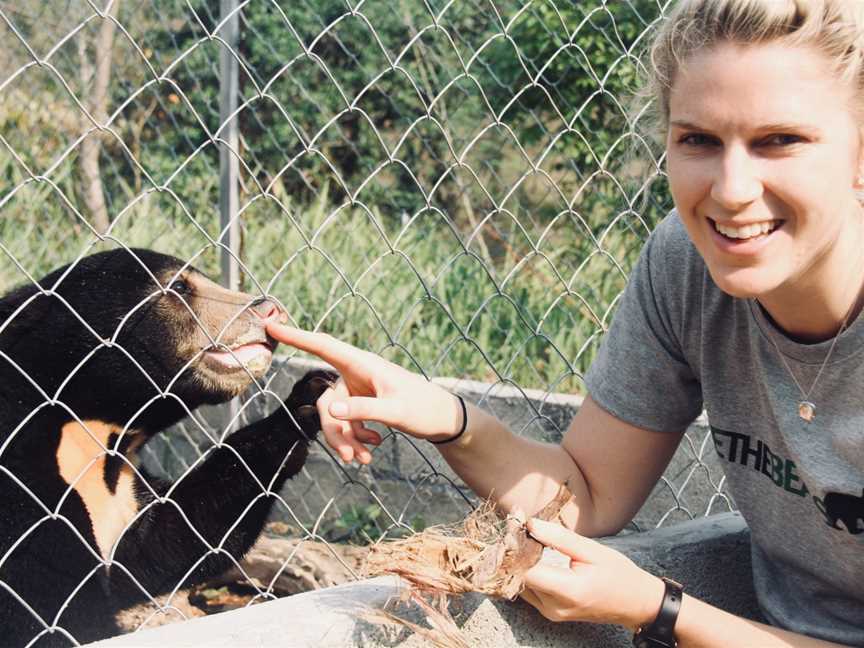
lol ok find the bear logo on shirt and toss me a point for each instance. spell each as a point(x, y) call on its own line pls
point(842, 507)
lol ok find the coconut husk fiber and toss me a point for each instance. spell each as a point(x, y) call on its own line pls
point(485, 554)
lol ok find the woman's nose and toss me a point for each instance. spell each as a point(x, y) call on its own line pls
point(737, 182)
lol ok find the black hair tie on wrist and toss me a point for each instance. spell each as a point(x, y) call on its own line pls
point(464, 424)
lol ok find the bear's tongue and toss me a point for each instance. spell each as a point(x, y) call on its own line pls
point(243, 355)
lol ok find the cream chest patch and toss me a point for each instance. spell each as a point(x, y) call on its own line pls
point(81, 459)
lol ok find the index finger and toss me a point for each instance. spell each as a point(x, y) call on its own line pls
point(567, 542)
point(326, 347)
point(547, 579)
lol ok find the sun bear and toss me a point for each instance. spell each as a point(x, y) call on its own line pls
point(94, 360)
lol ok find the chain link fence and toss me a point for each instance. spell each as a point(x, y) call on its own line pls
point(460, 186)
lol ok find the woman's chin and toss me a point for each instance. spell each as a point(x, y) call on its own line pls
point(744, 283)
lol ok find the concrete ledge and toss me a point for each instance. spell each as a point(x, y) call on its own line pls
point(710, 555)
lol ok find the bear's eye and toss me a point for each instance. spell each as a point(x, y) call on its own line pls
point(181, 287)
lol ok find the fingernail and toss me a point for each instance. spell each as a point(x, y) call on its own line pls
point(283, 318)
point(338, 408)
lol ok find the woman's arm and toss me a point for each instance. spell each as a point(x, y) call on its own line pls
point(602, 585)
point(701, 625)
point(611, 466)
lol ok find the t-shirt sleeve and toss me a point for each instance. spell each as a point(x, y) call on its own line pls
point(641, 374)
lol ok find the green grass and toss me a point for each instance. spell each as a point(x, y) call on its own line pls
point(525, 303)
point(484, 281)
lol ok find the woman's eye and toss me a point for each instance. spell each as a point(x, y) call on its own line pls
point(781, 139)
point(696, 139)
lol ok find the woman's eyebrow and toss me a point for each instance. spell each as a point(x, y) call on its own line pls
point(685, 125)
point(789, 127)
point(770, 127)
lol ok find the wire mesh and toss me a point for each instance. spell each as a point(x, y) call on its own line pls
point(460, 186)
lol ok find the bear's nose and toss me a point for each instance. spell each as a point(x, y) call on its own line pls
point(264, 308)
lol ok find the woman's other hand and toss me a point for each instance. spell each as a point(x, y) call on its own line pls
point(599, 585)
point(372, 389)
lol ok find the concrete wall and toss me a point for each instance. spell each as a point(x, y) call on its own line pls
point(710, 556)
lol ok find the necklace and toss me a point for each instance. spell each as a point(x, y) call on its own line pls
point(806, 408)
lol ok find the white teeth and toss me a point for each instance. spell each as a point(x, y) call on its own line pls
point(747, 231)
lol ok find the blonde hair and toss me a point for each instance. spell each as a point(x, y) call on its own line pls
point(833, 27)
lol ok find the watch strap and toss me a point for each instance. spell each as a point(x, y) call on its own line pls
point(660, 633)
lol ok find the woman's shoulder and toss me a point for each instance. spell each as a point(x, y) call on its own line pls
point(680, 280)
point(672, 255)
point(671, 235)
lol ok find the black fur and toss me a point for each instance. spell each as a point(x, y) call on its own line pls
point(48, 552)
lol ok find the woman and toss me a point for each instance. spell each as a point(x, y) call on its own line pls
point(745, 302)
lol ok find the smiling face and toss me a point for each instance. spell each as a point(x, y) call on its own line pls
point(763, 156)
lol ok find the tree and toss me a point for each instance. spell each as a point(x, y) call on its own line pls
point(96, 81)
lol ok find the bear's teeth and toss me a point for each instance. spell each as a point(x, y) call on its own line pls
point(258, 363)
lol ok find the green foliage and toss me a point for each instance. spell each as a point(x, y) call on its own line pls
point(364, 525)
point(358, 525)
point(438, 182)
point(380, 103)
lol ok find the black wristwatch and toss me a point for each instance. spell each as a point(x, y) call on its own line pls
point(661, 632)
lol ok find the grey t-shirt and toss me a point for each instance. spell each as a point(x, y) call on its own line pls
point(678, 344)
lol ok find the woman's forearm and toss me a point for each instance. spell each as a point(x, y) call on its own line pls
point(517, 472)
point(701, 625)
point(609, 465)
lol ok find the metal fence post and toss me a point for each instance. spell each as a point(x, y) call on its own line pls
point(229, 166)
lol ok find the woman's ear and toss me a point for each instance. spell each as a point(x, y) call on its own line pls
point(858, 181)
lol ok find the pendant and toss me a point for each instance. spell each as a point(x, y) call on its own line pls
point(807, 410)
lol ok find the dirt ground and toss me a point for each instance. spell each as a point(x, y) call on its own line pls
point(276, 566)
